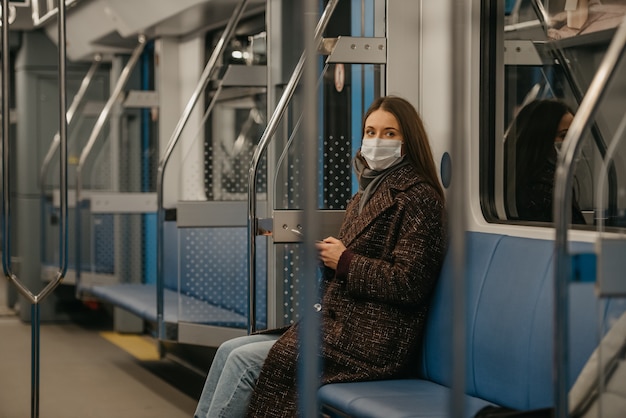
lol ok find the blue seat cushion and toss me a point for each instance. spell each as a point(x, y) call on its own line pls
point(509, 336)
point(141, 300)
point(402, 398)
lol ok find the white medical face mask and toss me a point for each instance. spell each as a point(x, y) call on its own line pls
point(558, 146)
point(381, 153)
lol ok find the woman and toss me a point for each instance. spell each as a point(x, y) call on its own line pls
point(378, 279)
point(538, 132)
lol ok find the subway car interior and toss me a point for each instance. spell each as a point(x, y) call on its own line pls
point(167, 167)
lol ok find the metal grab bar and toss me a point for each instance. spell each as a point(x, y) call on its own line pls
point(308, 371)
point(562, 210)
point(268, 134)
point(35, 299)
point(95, 133)
point(180, 126)
point(71, 111)
point(6, 263)
point(458, 203)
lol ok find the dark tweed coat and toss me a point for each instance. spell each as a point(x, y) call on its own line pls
point(373, 308)
point(534, 197)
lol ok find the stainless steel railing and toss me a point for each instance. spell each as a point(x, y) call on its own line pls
point(562, 210)
point(268, 134)
point(35, 299)
point(93, 139)
point(457, 203)
point(205, 77)
point(71, 111)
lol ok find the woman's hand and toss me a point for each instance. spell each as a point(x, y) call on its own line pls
point(330, 250)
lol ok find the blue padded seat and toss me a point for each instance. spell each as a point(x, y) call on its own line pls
point(509, 337)
point(141, 300)
point(408, 398)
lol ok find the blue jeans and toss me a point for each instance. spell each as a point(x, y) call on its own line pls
point(232, 376)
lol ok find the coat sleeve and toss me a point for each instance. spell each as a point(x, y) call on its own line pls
point(417, 247)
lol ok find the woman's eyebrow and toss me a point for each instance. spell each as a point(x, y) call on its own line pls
point(383, 129)
point(388, 129)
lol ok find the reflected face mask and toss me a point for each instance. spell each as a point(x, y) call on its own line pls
point(558, 146)
point(381, 153)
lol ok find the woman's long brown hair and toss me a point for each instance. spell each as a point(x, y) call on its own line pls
point(416, 143)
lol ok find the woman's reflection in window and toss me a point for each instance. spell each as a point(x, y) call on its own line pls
point(538, 133)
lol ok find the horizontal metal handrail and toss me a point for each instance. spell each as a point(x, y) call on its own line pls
point(268, 134)
point(562, 209)
point(208, 71)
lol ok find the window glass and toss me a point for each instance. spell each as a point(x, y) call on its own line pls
point(548, 54)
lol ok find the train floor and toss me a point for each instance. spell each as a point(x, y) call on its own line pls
point(88, 371)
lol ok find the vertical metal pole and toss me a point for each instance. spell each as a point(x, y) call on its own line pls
point(309, 365)
point(63, 226)
point(268, 134)
point(6, 264)
point(5, 138)
point(458, 201)
point(34, 368)
point(6, 197)
point(63, 231)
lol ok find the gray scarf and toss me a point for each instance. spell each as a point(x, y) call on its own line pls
point(369, 179)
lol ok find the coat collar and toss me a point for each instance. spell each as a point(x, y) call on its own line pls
point(404, 178)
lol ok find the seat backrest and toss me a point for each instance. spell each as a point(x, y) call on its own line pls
point(505, 322)
point(509, 317)
point(437, 351)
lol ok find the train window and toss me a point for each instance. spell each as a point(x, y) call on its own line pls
point(344, 100)
point(236, 125)
point(236, 121)
point(344, 105)
point(546, 53)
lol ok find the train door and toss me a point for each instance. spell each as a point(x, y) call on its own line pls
point(215, 153)
point(351, 74)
